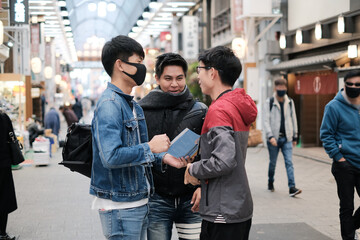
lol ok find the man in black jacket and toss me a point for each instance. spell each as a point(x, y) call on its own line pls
point(170, 108)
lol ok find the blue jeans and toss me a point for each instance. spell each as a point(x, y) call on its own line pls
point(286, 148)
point(129, 224)
point(165, 211)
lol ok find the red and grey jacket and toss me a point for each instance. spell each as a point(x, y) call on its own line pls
point(225, 192)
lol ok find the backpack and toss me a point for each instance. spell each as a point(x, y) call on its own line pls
point(77, 151)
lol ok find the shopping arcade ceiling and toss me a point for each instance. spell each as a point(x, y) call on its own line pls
point(80, 27)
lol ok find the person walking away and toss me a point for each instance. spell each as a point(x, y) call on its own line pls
point(70, 116)
point(77, 108)
point(340, 134)
point(280, 125)
point(52, 121)
point(169, 109)
point(8, 202)
point(88, 114)
point(226, 205)
point(121, 178)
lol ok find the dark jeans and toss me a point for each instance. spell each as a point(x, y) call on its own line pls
point(347, 178)
point(225, 231)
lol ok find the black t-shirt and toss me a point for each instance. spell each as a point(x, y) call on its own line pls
point(282, 123)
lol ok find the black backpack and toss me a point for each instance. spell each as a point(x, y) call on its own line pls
point(77, 151)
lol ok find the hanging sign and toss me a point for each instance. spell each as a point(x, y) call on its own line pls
point(190, 37)
point(19, 11)
point(316, 84)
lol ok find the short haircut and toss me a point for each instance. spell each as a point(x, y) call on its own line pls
point(280, 82)
point(170, 59)
point(355, 73)
point(224, 60)
point(120, 47)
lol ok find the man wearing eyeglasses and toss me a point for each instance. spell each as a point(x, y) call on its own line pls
point(226, 204)
point(340, 133)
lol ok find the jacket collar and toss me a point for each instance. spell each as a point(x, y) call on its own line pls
point(119, 91)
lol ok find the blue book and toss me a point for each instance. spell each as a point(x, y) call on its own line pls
point(184, 144)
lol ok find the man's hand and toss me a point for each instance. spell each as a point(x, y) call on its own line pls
point(159, 143)
point(196, 200)
point(273, 141)
point(190, 179)
point(294, 143)
point(173, 161)
point(342, 159)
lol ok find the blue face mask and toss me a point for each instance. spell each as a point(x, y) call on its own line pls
point(280, 93)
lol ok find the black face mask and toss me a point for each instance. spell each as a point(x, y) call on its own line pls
point(352, 92)
point(139, 76)
point(280, 93)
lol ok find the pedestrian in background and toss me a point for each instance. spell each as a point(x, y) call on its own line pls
point(52, 121)
point(121, 179)
point(69, 115)
point(226, 204)
point(88, 113)
point(169, 109)
point(340, 134)
point(77, 108)
point(280, 126)
point(7, 189)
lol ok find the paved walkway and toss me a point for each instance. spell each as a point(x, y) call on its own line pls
point(54, 203)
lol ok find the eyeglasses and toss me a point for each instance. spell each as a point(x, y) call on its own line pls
point(352, 84)
point(198, 69)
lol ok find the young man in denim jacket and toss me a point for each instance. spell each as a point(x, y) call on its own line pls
point(340, 133)
point(121, 178)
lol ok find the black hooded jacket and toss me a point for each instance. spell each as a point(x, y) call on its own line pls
point(171, 113)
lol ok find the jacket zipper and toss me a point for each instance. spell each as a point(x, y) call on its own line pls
point(207, 190)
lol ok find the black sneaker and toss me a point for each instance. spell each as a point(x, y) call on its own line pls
point(356, 218)
point(7, 237)
point(271, 186)
point(294, 191)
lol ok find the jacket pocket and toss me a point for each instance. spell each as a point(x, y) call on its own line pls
point(131, 132)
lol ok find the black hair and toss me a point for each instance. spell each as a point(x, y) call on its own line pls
point(280, 82)
point(169, 59)
point(224, 60)
point(354, 73)
point(120, 47)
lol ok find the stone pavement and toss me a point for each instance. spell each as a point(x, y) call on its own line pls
point(54, 203)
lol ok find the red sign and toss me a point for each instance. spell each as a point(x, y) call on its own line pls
point(316, 84)
point(35, 39)
point(237, 11)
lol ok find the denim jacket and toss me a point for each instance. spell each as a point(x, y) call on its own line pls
point(121, 164)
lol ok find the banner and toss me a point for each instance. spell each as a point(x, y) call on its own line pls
point(19, 11)
point(190, 38)
point(316, 84)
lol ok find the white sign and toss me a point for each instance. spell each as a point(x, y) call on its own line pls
point(19, 11)
point(190, 39)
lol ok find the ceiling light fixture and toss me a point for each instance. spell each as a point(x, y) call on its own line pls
point(92, 7)
point(318, 31)
point(102, 9)
point(111, 7)
point(282, 41)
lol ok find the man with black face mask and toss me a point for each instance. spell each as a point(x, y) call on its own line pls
point(121, 177)
point(340, 133)
point(281, 130)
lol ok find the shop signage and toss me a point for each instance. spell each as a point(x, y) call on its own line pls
point(237, 23)
point(316, 84)
point(190, 39)
point(35, 39)
point(19, 11)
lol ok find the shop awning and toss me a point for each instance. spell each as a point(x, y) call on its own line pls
point(307, 61)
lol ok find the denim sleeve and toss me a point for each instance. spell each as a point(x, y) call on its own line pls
point(327, 133)
point(158, 164)
point(108, 130)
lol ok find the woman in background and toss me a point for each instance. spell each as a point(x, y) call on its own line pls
point(7, 189)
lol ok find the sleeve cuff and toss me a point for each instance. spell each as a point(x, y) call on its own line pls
point(338, 156)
